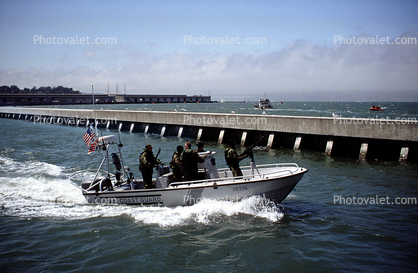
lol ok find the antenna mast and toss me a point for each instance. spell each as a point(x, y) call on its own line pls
point(94, 109)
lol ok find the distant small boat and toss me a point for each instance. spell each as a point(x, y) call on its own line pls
point(263, 103)
point(376, 108)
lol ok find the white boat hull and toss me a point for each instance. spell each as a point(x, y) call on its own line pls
point(275, 183)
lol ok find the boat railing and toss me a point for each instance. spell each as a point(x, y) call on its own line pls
point(264, 175)
point(240, 178)
point(266, 165)
point(72, 178)
point(208, 180)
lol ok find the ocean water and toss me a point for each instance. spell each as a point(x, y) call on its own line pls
point(391, 110)
point(344, 215)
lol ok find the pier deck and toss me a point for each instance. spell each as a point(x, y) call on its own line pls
point(367, 137)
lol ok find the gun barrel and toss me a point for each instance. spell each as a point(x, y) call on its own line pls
point(158, 153)
point(254, 144)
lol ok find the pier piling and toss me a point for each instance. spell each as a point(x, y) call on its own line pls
point(221, 136)
point(297, 143)
point(243, 138)
point(404, 154)
point(328, 148)
point(270, 141)
point(199, 134)
point(180, 132)
point(363, 151)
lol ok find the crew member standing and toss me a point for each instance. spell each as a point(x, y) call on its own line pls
point(176, 165)
point(233, 159)
point(200, 146)
point(189, 160)
point(147, 162)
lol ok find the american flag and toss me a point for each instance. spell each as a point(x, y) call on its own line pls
point(93, 147)
point(89, 135)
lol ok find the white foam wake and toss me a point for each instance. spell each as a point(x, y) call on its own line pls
point(41, 190)
point(30, 168)
point(206, 212)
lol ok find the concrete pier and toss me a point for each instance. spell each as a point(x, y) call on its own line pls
point(384, 138)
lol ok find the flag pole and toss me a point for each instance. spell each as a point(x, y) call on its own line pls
point(94, 109)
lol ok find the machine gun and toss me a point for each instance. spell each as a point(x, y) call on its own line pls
point(158, 153)
point(156, 158)
point(249, 150)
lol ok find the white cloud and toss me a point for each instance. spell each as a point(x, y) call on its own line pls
point(300, 71)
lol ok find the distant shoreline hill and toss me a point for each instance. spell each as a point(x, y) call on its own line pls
point(13, 89)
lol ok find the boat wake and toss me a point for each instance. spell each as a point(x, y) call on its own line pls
point(36, 189)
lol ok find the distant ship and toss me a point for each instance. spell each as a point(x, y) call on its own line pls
point(263, 103)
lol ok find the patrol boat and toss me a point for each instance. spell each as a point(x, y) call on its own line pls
point(272, 181)
point(263, 103)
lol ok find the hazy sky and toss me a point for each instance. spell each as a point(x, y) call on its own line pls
point(292, 50)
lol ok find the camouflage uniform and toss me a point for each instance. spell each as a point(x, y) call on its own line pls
point(147, 162)
point(232, 159)
point(176, 165)
point(189, 160)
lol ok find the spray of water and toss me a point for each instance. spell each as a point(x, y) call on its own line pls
point(41, 190)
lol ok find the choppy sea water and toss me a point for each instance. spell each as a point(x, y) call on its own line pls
point(344, 215)
point(391, 110)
